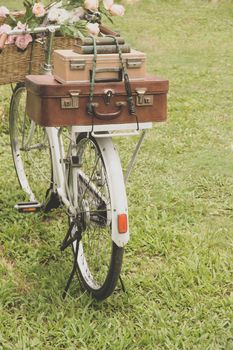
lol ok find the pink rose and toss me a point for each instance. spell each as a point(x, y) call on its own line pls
point(91, 5)
point(22, 41)
point(38, 9)
point(5, 28)
point(107, 4)
point(117, 10)
point(93, 28)
point(4, 11)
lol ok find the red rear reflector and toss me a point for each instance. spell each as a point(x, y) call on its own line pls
point(122, 223)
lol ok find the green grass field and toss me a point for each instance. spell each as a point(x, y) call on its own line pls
point(178, 265)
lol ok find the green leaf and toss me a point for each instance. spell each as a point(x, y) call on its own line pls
point(106, 13)
point(11, 21)
point(76, 30)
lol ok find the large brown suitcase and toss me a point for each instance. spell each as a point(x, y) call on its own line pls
point(50, 103)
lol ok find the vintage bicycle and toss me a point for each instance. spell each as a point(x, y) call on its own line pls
point(77, 167)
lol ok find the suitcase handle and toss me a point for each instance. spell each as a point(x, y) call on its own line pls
point(108, 116)
point(117, 71)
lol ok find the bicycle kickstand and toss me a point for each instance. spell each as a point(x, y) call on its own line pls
point(68, 240)
point(122, 284)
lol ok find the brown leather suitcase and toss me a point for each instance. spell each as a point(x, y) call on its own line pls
point(50, 103)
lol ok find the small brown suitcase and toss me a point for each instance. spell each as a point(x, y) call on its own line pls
point(50, 103)
point(71, 67)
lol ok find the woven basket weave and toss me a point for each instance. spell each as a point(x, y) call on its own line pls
point(16, 64)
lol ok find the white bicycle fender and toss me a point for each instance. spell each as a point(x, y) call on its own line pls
point(116, 187)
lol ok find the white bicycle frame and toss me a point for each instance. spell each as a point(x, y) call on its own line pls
point(103, 135)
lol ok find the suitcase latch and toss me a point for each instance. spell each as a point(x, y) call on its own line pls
point(77, 65)
point(134, 63)
point(143, 99)
point(70, 102)
point(108, 93)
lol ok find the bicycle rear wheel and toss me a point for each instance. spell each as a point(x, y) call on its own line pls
point(30, 149)
point(99, 259)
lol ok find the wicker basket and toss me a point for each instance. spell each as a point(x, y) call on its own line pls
point(16, 64)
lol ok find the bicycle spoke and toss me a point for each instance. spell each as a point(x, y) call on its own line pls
point(89, 180)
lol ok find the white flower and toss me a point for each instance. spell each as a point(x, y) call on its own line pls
point(107, 4)
point(21, 25)
point(93, 28)
point(38, 9)
point(58, 15)
point(4, 11)
point(91, 5)
point(76, 15)
point(52, 13)
point(117, 10)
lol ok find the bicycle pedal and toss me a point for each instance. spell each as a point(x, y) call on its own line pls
point(28, 207)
